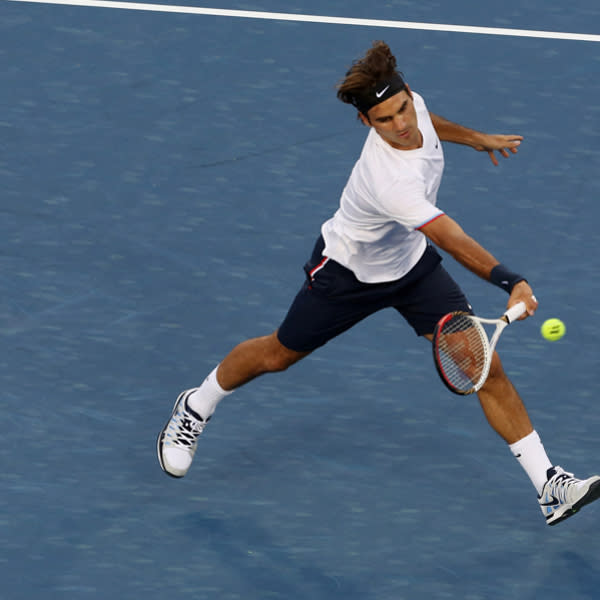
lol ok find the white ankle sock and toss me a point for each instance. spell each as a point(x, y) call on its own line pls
point(531, 455)
point(205, 399)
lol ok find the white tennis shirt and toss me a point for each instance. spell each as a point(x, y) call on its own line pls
point(389, 195)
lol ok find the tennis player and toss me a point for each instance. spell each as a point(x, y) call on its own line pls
point(379, 251)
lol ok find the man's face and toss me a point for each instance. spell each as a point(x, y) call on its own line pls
point(395, 120)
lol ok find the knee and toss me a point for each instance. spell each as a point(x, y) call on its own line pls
point(497, 378)
point(276, 362)
point(279, 358)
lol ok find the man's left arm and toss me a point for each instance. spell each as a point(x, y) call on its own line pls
point(448, 131)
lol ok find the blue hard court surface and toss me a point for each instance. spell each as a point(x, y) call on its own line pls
point(163, 179)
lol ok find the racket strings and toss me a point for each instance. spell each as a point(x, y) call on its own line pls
point(462, 352)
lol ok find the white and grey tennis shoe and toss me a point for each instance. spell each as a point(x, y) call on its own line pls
point(563, 495)
point(178, 439)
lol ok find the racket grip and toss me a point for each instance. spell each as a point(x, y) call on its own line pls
point(514, 312)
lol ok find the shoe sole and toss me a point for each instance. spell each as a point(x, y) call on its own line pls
point(161, 436)
point(592, 494)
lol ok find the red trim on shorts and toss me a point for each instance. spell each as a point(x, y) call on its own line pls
point(313, 271)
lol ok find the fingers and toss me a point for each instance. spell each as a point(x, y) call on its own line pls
point(522, 292)
point(493, 157)
point(532, 305)
point(509, 140)
point(513, 146)
point(503, 147)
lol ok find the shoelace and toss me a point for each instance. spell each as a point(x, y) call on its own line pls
point(561, 484)
point(186, 428)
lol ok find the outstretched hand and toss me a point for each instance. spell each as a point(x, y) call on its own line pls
point(504, 144)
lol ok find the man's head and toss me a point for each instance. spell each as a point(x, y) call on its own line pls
point(383, 99)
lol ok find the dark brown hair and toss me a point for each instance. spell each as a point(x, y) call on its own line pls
point(378, 63)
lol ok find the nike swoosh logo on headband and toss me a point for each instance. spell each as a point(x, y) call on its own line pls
point(383, 91)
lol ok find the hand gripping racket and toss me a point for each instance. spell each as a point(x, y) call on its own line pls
point(462, 351)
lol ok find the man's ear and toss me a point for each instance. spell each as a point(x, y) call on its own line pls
point(408, 90)
point(364, 119)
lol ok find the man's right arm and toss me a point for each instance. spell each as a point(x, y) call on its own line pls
point(448, 235)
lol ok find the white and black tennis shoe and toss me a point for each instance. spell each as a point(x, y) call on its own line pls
point(178, 439)
point(563, 495)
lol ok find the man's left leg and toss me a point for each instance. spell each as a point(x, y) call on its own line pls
point(560, 494)
point(504, 408)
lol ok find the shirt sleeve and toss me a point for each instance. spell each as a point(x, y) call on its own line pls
point(405, 203)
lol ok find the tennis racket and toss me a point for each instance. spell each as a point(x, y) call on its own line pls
point(462, 351)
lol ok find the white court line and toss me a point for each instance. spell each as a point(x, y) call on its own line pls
point(251, 14)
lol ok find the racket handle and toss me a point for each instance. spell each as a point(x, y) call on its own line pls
point(514, 312)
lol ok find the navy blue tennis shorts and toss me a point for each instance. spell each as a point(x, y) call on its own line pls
point(332, 300)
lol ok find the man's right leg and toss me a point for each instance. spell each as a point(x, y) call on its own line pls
point(253, 358)
point(178, 439)
point(325, 306)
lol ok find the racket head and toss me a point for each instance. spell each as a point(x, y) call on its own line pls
point(461, 352)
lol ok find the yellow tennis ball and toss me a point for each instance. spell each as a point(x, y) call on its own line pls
point(553, 329)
